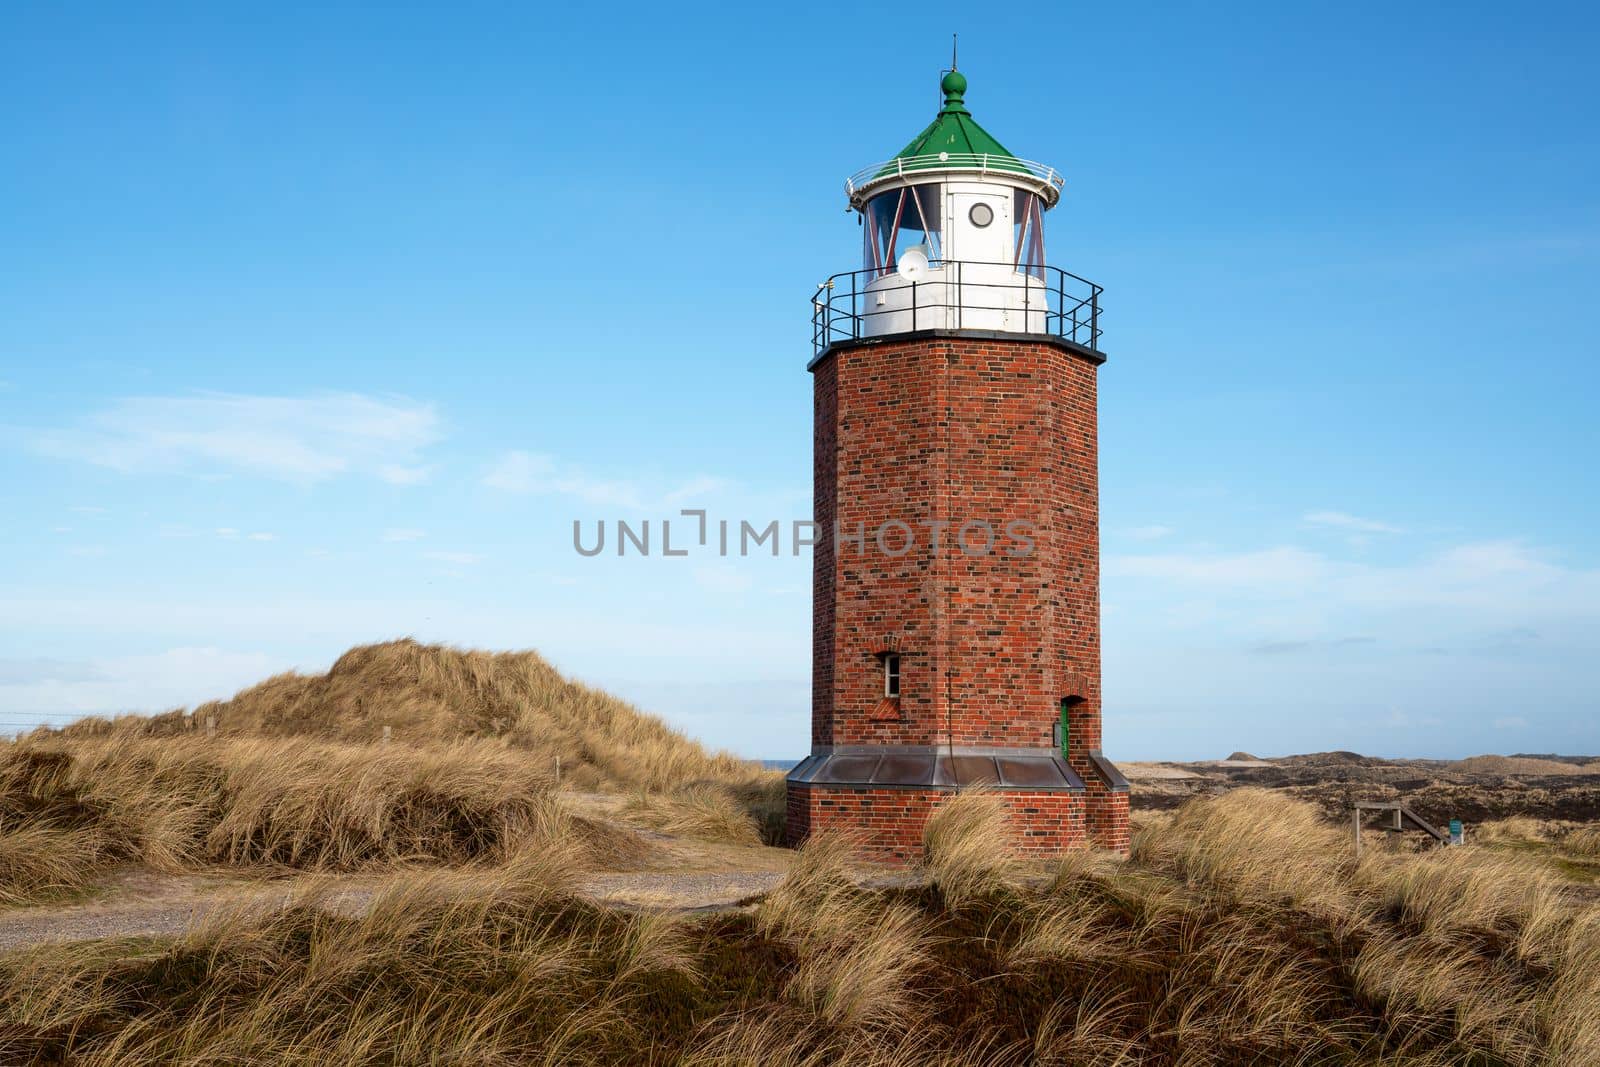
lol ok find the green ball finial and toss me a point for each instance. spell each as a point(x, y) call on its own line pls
point(954, 84)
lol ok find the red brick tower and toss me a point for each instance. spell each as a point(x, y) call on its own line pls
point(956, 626)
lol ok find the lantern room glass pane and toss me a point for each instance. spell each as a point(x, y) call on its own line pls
point(897, 220)
point(1029, 216)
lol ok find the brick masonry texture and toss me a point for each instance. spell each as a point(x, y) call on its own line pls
point(890, 821)
point(935, 433)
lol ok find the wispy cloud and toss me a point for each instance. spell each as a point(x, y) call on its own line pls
point(31, 671)
point(62, 689)
point(1150, 533)
point(1280, 648)
point(535, 472)
point(463, 559)
point(396, 474)
point(524, 472)
point(1339, 520)
point(395, 534)
point(301, 439)
point(722, 578)
point(1269, 568)
point(694, 488)
point(230, 533)
point(1491, 587)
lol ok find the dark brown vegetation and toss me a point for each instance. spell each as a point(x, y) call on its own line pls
point(1477, 790)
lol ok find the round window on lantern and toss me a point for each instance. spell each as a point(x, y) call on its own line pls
point(981, 215)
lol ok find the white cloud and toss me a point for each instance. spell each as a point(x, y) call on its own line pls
point(1403, 720)
point(395, 474)
point(539, 473)
point(461, 558)
point(231, 533)
point(1150, 533)
point(698, 486)
point(1339, 520)
point(1488, 589)
point(533, 472)
point(722, 579)
point(394, 534)
point(154, 682)
point(302, 439)
point(1269, 568)
point(30, 671)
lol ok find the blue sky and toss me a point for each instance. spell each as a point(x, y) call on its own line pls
point(319, 325)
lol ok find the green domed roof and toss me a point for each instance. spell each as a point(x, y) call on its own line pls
point(955, 133)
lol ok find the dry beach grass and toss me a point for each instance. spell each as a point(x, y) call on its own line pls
point(1184, 955)
point(1242, 930)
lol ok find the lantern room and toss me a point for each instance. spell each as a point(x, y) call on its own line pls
point(953, 237)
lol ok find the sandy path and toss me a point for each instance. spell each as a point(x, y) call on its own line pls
point(676, 874)
point(143, 905)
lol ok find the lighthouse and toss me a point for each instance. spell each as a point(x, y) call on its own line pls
point(956, 574)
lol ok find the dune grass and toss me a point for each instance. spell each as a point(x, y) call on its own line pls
point(1242, 930)
point(70, 808)
point(401, 753)
point(1171, 958)
point(435, 694)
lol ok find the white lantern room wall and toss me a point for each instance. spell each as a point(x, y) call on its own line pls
point(953, 252)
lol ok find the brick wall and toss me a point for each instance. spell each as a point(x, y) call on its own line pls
point(890, 821)
point(1106, 818)
point(933, 433)
point(950, 431)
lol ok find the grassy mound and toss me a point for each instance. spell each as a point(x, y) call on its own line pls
point(1212, 946)
point(434, 694)
point(1521, 765)
point(70, 809)
point(298, 773)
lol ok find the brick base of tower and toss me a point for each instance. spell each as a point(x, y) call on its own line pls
point(889, 822)
point(1107, 819)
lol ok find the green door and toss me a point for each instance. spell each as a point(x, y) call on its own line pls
point(1066, 728)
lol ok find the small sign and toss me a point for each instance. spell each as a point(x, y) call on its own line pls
point(1458, 833)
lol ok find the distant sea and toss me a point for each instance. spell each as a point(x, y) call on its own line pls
point(779, 764)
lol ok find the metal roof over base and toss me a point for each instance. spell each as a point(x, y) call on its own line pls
point(906, 768)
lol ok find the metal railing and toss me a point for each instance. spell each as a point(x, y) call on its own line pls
point(1066, 305)
point(981, 162)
